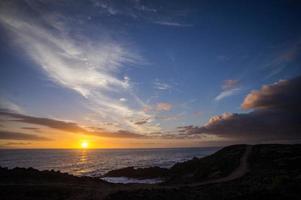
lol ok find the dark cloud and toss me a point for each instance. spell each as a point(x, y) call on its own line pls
point(30, 128)
point(35, 129)
point(65, 126)
point(141, 122)
point(51, 123)
point(14, 144)
point(8, 135)
point(284, 94)
point(275, 115)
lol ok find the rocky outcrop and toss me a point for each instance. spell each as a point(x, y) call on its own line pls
point(274, 173)
point(140, 173)
point(216, 165)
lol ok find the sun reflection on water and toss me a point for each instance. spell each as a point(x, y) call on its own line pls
point(83, 157)
point(83, 161)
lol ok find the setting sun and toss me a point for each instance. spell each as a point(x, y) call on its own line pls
point(84, 144)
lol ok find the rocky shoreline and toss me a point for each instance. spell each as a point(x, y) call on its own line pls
point(270, 171)
point(213, 166)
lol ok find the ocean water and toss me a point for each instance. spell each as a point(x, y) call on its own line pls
point(95, 162)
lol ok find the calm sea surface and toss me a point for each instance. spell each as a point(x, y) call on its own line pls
point(94, 162)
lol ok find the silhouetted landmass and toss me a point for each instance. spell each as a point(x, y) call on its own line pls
point(145, 173)
point(235, 172)
point(21, 183)
point(34, 176)
point(274, 173)
point(216, 165)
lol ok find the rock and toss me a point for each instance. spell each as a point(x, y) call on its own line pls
point(140, 173)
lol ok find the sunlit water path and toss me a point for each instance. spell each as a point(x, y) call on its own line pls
point(94, 162)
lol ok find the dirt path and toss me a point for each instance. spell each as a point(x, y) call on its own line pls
point(238, 172)
point(104, 190)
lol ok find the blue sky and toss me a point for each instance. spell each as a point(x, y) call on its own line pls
point(146, 67)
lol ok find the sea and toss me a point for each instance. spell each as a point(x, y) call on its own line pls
point(96, 162)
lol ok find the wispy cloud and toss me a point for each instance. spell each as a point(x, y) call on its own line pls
point(173, 24)
point(133, 9)
point(8, 135)
point(165, 16)
point(7, 104)
point(75, 128)
point(81, 66)
point(226, 93)
point(10, 144)
point(159, 85)
point(72, 60)
point(163, 106)
point(123, 99)
point(65, 126)
point(230, 84)
point(230, 87)
point(170, 117)
point(288, 55)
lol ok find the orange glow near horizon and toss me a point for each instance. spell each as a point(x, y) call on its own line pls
point(84, 144)
point(61, 140)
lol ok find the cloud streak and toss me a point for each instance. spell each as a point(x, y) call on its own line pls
point(165, 16)
point(163, 106)
point(161, 85)
point(8, 135)
point(230, 88)
point(289, 56)
point(66, 126)
point(11, 144)
point(226, 93)
point(172, 24)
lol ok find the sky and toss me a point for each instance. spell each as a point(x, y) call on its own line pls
point(149, 74)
